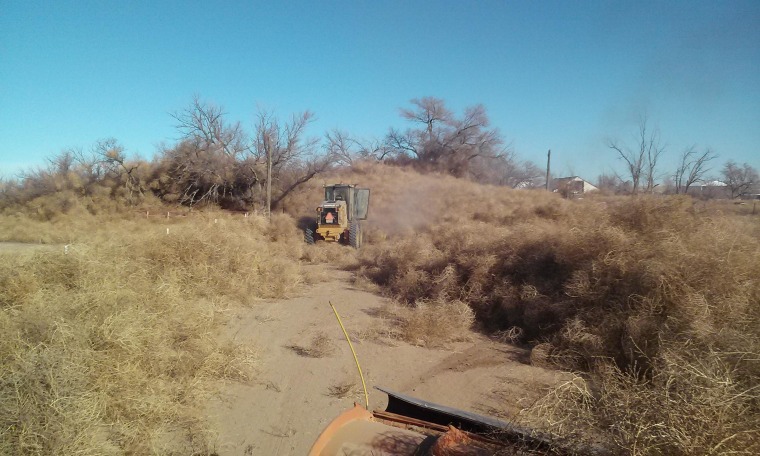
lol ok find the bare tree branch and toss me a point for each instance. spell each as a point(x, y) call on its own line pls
point(692, 167)
point(203, 123)
point(295, 159)
point(458, 146)
point(739, 179)
point(642, 161)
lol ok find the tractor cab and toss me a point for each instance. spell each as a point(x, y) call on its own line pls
point(339, 215)
point(355, 199)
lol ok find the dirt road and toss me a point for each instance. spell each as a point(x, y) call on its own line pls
point(293, 396)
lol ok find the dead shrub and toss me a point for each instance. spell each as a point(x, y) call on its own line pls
point(622, 286)
point(688, 407)
point(320, 346)
point(649, 214)
point(541, 355)
point(110, 349)
point(332, 253)
point(509, 336)
point(342, 390)
point(430, 323)
point(566, 411)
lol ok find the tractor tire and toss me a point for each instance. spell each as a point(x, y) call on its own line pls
point(308, 236)
point(355, 235)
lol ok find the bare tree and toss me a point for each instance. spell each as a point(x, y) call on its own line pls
point(371, 149)
point(90, 166)
point(6, 191)
point(208, 165)
point(111, 156)
point(445, 142)
point(472, 143)
point(346, 150)
point(204, 124)
point(294, 159)
point(79, 172)
point(341, 146)
point(692, 167)
point(218, 161)
point(400, 144)
point(430, 111)
point(514, 174)
point(64, 162)
point(641, 162)
point(739, 179)
point(654, 150)
point(35, 182)
point(609, 182)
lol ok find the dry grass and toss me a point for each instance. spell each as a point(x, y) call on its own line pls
point(330, 252)
point(111, 348)
point(656, 300)
point(320, 346)
point(432, 324)
point(342, 390)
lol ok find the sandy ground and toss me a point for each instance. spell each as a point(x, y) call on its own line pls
point(288, 404)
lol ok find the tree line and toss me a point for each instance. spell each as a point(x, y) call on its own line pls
point(643, 172)
point(220, 162)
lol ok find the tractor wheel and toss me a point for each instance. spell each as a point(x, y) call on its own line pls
point(308, 236)
point(355, 235)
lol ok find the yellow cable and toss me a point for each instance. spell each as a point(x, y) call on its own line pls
point(348, 339)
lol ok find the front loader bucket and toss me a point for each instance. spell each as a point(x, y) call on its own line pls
point(356, 431)
point(415, 427)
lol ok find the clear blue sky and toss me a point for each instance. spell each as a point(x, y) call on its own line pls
point(552, 75)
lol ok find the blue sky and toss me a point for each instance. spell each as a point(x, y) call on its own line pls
point(553, 75)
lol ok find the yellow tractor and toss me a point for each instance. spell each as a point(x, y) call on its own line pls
point(339, 216)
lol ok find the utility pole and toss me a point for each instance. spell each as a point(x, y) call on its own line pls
point(548, 163)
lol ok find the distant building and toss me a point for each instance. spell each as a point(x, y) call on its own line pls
point(573, 187)
point(710, 189)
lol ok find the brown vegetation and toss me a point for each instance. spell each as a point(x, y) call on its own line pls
point(111, 347)
point(341, 390)
point(654, 299)
point(428, 324)
point(218, 163)
point(320, 346)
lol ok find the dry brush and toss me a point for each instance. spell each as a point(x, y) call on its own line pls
point(654, 301)
point(111, 348)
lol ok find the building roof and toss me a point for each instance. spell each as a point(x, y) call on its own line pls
point(571, 178)
point(714, 183)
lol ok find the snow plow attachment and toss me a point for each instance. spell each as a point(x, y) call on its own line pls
point(414, 427)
